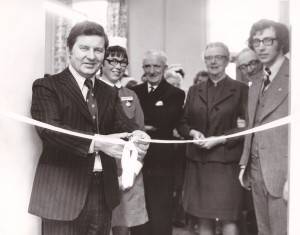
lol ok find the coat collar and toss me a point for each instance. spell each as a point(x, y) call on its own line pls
point(278, 89)
point(228, 90)
point(277, 92)
point(103, 96)
point(72, 89)
point(160, 89)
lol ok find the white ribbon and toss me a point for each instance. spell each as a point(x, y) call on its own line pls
point(273, 124)
point(31, 121)
point(276, 123)
point(130, 153)
point(128, 161)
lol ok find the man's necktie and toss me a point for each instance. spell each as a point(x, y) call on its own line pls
point(151, 89)
point(90, 99)
point(267, 73)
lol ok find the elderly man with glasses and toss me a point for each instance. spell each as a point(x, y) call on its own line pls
point(248, 64)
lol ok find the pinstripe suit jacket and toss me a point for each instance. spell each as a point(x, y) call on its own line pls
point(272, 143)
point(62, 176)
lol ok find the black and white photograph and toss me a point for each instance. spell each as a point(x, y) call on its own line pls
point(138, 117)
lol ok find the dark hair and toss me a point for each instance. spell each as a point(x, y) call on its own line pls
point(281, 30)
point(131, 83)
point(86, 28)
point(181, 72)
point(116, 51)
point(200, 74)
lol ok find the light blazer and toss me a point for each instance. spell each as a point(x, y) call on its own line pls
point(220, 119)
point(63, 173)
point(162, 109)
point(272, 143)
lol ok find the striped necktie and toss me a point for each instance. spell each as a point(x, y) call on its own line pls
point(151, 90)
point(267, 73)
point(90, 99)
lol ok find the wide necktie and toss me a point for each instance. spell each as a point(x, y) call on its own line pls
point(90, 99)
point(266, 77)
point(151, 89)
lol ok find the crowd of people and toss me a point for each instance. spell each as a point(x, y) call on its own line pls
point(79, 183)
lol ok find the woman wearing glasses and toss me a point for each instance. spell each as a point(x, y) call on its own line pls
point(132, 209)
point(211, 189)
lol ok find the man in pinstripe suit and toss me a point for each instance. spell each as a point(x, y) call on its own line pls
point(75, 186)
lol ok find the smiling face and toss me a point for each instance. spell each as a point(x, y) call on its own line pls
point(113, 73)
point(267, 54)
point(216, 61)
point(154, 69)
point(249, 64)
point(87, 55)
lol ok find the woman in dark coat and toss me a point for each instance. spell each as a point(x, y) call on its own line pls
point(213, 108)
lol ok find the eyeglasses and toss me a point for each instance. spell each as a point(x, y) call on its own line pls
point(218, 58)
point(265, 41)
point(155, 67)
point(115, 62)
point(244, 67)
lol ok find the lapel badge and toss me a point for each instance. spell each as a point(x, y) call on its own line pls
point(128, 100)
point(128, 104)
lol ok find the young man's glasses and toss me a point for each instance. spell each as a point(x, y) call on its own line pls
point(115, 62)
point(265, 41)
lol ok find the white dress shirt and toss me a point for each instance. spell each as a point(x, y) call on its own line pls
point(84, 90)
point(274, 68)
point(149, 87)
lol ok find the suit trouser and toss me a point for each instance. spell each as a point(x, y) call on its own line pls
point(94, 219)
point(158, 195)
point(271, 212)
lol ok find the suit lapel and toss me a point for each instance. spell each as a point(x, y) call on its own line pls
point(143, 91)
point(71, 89)
point(161, 89)
point(102, 96)
point(254, 91)
point(203, 91)
point(278, 90)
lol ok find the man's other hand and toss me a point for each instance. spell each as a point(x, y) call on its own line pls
point(112, 149)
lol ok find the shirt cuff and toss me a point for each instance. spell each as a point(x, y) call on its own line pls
point(92, 146)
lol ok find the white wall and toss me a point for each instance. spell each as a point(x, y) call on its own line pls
point(294, 164)
point(22, 42)
point(186, 36)
point(174, 26)
point(146, 31)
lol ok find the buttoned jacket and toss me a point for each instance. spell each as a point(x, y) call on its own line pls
point(219, 118)
point(273, 144)
point(63, 172)
point(162, 109)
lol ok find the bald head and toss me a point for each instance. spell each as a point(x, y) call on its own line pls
point(248, 63)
